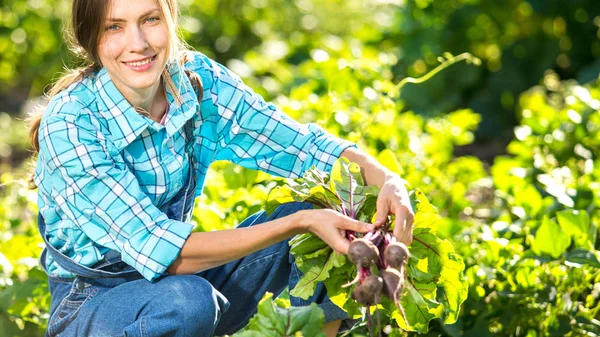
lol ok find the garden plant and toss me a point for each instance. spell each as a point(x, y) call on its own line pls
point(501, 155)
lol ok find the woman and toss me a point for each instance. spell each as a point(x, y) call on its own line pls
point(124, 145)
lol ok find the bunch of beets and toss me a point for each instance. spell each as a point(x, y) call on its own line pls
point(378, 251)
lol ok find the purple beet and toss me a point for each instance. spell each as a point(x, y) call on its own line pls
point(363, 253)
point(396, 255)
point(393, 285)
point(369, 292)
point(393, 282)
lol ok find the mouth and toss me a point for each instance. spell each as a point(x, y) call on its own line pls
point(141, 65)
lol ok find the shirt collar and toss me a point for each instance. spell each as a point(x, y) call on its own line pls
point(125, 124)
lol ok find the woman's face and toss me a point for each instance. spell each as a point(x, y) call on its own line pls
point(134, 45)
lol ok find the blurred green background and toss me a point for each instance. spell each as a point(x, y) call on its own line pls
point(501, 149)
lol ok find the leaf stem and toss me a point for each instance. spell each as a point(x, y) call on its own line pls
point(426, 245)
point(444, 65)
point(344, 211)
point(351, 197)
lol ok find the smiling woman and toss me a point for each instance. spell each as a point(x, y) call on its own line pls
point(123, 147)
point(134, 49)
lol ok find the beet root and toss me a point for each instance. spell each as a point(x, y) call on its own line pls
point(393, 284)
point(369, 292)
point(363, 253)
point(396, 255)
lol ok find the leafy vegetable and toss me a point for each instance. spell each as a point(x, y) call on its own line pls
point(431, 284)
point(278, 319)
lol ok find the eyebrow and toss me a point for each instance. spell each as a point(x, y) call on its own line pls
point(123, 20)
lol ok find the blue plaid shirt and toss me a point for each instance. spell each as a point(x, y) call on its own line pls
point(103, 170)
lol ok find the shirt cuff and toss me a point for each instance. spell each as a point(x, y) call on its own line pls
point(159, 248)
point(326, 150)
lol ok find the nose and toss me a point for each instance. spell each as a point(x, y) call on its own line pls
point(136, 40)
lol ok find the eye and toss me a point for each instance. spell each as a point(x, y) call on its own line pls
point(152, 19)
point(111, 28)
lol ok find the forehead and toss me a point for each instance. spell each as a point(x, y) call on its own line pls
point(130, 9)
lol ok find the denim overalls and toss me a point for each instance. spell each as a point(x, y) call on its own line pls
point(113, 299)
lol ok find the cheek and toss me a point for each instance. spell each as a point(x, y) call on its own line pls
point(158, 37)
point(109, 49)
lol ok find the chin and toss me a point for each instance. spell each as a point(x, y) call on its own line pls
point(144, 81)
point(144, 85)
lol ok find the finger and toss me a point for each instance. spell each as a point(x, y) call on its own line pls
point(382, 211)
point(402, 231)
point(341, 245)
point(357, 226)
point(410, 220)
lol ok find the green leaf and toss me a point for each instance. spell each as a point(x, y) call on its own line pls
point(419, 311)
point(582, 257)
point(316, 268)
point(307, 320)
point(340, 296)
point(426, 216)
point(274, 321)
point(368, 209)
point(314, 188)
point(347, 182)
point(311, 273)
point(549, 239)
point(343, 170)
point(305, 243)
point(437, 259)
point(281, 195)
point(575, 224)
point(423, 204)
point(324, 196)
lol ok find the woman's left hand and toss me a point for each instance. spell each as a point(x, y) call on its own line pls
point(393, 199)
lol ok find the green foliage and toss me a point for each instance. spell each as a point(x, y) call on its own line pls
point(13, 141)
point(24, 296)
point(526, 227)
point(516, 40)
point(277, 318)
point(539, 255)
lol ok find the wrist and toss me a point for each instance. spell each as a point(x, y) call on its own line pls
point(300, 223)
point(385, 176)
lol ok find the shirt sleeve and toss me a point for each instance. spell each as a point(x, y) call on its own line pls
point(256, 134)
point(103, 198)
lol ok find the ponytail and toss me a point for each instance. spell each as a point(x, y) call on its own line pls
point(35, 118)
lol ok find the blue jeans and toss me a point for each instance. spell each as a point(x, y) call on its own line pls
point(114, 300)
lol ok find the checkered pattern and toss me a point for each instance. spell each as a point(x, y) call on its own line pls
point(104, 171)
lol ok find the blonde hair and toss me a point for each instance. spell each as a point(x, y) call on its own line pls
point(83, 37)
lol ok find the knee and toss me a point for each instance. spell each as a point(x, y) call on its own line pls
point(195, 301)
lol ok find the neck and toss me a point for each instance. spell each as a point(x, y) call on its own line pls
point(151, 101)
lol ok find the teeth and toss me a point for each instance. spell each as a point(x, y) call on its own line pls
point(141, 63)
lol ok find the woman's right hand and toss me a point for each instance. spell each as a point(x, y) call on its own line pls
point(329, 225)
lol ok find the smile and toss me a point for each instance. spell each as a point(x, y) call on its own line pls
point(142, 65)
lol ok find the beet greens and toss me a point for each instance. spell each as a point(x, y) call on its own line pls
point(408, 289)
